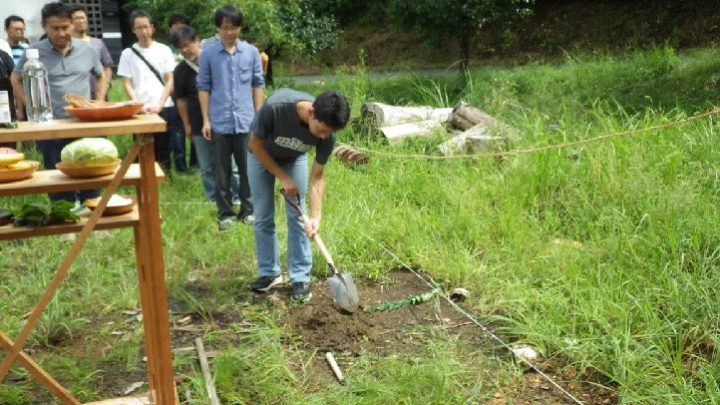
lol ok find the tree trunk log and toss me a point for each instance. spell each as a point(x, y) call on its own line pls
point(397, 133)
point(475, 140)
point(382, 115)
point(466, 116)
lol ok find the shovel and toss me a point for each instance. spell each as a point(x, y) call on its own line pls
point(341, 284)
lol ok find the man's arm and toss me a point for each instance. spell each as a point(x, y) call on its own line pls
point(182, 107)
point(127, 84)
point(19, 93)
point(257, 147)
point(167, 89)
point(258, 95)
point(204, 98)
point(101, 86)
point(317, 193)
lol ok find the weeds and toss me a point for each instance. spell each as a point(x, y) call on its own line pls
point(604, 255)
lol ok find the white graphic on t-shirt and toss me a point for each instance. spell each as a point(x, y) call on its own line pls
point(292, 143)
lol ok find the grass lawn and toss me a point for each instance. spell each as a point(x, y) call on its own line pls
point(601, 256)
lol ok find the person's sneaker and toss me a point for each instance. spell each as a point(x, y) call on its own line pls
point(265, 283)
point(300, 293)
point(226, 223)
point(247, 219)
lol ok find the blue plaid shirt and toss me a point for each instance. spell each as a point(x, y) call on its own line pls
point(230, 80)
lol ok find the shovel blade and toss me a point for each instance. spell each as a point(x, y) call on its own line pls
point(344, 291)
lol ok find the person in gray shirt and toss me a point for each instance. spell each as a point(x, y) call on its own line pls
point(69, 63)
point(290, 124)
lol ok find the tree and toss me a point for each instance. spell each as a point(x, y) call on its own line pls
point(288, 26)
point(461, 19)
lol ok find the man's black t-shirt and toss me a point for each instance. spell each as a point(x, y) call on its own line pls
point(186, 87)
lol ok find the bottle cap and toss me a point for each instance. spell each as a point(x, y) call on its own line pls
point(32, 53)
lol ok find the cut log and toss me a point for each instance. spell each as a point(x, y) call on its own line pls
point(465, 116)
point(397, 133)
point(474, 140)
point(381, 115)
point(349, 154)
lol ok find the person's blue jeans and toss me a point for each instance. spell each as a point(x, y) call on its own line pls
point(206, 160)
point(267, 248)
point(51, 150)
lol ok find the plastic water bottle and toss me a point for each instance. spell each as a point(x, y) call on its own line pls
point(37, 89)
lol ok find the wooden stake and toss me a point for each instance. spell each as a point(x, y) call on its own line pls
point(335, 368)
point(205, 366)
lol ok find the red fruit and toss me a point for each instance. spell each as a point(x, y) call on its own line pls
point(7, 151)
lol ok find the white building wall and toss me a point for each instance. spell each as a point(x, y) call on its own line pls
point(28, 10)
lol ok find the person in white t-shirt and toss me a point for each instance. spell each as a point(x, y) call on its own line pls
point(5, 47)
point(147, 71)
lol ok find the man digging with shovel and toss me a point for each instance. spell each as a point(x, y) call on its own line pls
point(290, 124)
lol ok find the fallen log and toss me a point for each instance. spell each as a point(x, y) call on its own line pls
point(465, 116)
point(349, 154)
point(380, 115)
point(475, 140)
point(397, 133)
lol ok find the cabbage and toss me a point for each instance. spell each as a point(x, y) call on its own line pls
point(89, 152)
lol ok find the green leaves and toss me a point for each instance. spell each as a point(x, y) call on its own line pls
point(405, 302)
point(43, 214)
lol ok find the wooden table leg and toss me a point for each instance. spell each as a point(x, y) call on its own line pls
point(68, 260)
point(39, 374)
point(155, 310)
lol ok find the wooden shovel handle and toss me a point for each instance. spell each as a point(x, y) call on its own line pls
point(316, 238)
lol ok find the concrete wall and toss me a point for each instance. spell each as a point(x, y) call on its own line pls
point(28, 10)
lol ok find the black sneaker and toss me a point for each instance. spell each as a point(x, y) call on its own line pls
point(300, 293)
point(265, 283)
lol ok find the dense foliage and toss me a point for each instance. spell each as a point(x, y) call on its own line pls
point(288, 27)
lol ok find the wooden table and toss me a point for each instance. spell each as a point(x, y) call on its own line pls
point(145, 221)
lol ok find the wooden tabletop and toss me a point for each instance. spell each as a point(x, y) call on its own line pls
point(72, 128)
point(54, 181)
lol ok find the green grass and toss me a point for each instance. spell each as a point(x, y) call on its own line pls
point(634, 299)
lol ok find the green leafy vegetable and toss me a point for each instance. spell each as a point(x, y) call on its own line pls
point(89, 152)
point(405, 302)
point(43, 214)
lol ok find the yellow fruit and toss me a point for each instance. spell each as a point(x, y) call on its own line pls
point(7, 159)
point(20, 165)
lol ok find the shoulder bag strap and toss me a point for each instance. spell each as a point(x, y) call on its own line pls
point(152, 68)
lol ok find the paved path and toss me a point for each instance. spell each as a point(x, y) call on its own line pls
point(379, 75)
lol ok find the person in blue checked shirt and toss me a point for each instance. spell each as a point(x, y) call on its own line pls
point(230, 90)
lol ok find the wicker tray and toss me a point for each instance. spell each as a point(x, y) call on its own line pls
point(8, 175)
point(82, 172)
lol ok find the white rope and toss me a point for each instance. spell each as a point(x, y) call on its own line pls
point(476, 322)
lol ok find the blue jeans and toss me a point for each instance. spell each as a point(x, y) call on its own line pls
point(51, 156)
point(262, 186)
point(205, 154)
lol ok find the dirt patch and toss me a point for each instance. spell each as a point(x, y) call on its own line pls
point(405, 331)
point(326, 328)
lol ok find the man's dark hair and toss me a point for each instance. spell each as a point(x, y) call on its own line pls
point(178, 18)
point(74, 8)
point(332, 109)
point(139, 14)
point(11, 19)
point(182, 34)
point(233, 15)
point(58, 9)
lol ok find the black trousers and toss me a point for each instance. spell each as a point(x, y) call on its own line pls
point(227, 147)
